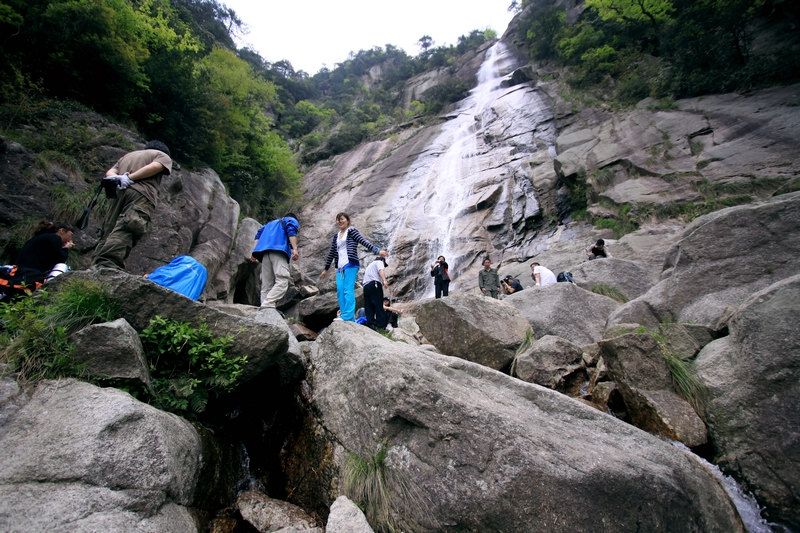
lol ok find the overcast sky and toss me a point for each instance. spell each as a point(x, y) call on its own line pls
point(313, 33)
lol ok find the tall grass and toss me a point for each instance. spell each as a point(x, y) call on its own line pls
point(611, 292)
point(365, 484)
point(684, 378)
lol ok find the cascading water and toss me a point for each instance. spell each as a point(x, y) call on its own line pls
point(745, 504)
point(443, 182)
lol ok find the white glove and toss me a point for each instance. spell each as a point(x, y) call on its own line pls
point(124, 181)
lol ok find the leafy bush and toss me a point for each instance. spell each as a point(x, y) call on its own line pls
point(188, 364)
point(36, 329)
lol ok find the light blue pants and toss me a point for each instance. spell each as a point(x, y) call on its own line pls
point(346, 291)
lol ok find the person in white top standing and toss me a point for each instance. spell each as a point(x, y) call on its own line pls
point(374, 281)
point(542, 276)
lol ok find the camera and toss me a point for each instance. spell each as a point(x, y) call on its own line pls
point(110, 184)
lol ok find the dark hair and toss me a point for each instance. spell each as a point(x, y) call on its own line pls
point(343, 215)
point(534, 264)
point(157, 145)
point(65, 227)
point(387, 299)
point(443, 258)
point(601, 242)
point(291, 215)
point(486, 259)
point(45, 226)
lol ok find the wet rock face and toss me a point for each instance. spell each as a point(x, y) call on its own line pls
point(440, 417)
point(754, 397)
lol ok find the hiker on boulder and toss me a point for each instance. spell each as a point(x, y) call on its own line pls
point(510, 285)
point(137, 179)
point(344, 249)
point(542, 276)
point(598, 250)
point(441, 277)
point(42, 257)
point(275, 244)
point(373, 283)
point(489, 280)
point(390, 314)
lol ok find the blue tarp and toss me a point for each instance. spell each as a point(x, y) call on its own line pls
point(183, 275)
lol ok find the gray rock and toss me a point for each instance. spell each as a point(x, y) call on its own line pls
point(264, 345)
point(318, 311)
point(81, 458)
point(721, 259)
point(552, 362)
point(346, 517)
point(628, 277)
point(112, 350)
point(564, 310)
point(476, 328)
point(484, 451)
point(267, 514)
point(635, 362)
point(752, 412)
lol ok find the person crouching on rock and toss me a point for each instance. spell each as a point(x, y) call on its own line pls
point(344, 249)
point(275, 243)
point(510, 285)
point(441, 277)
point(44, 256)
point(598, 250)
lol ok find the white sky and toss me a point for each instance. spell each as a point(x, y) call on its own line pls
point(315, 33)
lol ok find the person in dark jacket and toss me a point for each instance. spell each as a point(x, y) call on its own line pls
point(41, 258)
point(275, 243)
point(344, 249)
point(510, 284)
point(598, 250)
point(441, 277)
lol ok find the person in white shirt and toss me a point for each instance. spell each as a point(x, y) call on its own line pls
point(542, 276)
point(374, 281)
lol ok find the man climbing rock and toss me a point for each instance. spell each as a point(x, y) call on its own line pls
point(137, 176)
point(276, 243)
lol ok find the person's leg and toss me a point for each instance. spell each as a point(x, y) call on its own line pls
point(446, 287)
point(279, 264)
point(340, 292)
point(437, 289)
point(128, 222)
point(370, 303)
point(349, 308)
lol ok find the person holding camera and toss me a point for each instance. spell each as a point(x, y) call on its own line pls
point(510, 284)
point(441, 277)
point(134, 183)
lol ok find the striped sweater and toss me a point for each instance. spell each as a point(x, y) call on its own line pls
point(354, 238)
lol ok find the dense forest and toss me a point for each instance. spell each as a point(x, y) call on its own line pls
point(624, 50)
point(171, 70)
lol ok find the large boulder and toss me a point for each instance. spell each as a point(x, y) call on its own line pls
point(552, 362)
point(636, 363)
point(268, 514)
point(627, 277)
point(346, 517)
point(564, 310)
point(265, 345)
point(754, 397)
point(483, 451)
point(722, 258)
point(476, 328)
point(80, 458)
point(111, 350)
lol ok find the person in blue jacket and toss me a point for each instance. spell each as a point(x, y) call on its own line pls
point(276, 243)
point(344, 249)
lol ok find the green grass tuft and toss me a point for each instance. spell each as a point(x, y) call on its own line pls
point(365, 482)
point(611, 292)
point(684, 378)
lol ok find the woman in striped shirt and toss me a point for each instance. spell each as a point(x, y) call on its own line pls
point(344, 248)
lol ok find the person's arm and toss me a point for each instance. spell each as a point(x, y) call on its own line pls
point(293, 242)
point(383, 277)
point(147, 171)
point(329, 259)
point(537, 279)
point(360, 239)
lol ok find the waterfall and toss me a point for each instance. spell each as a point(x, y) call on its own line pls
point(443, 182)
point(745, 503)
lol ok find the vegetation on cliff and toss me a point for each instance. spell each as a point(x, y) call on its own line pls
point(626, 50)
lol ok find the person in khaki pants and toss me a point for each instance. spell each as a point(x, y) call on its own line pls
point(275, 243)
point(138, 176)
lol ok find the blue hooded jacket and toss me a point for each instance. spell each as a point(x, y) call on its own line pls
point(275, 236)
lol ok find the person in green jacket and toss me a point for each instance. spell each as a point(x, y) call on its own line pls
point(489, 280)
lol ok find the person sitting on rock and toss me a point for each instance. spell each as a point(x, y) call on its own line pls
point(542, 276)
point(488, 280)
point(510, 285)
point(598, 250)
point(42, 257)
point(390, 314)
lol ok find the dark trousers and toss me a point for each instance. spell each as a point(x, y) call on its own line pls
point(442, 288)
point(373, 304)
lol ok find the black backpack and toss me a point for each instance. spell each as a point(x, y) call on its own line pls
point(565, 277)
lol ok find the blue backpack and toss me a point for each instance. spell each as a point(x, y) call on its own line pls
point(184, 275)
